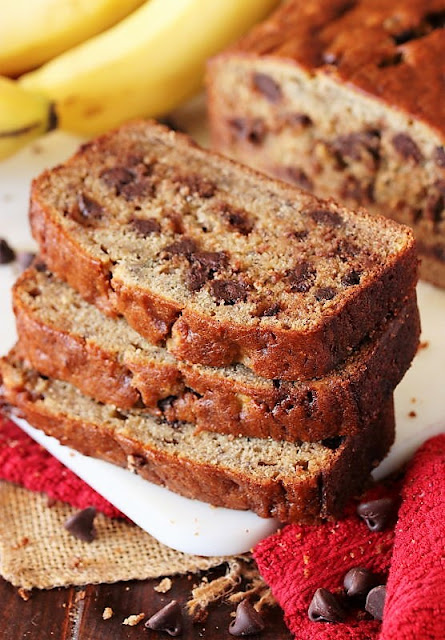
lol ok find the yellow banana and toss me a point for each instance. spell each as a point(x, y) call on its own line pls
point(144, 66)
point(24, 115)
point(33, 32)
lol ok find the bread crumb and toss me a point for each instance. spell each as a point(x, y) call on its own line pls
point(24, 594)
point(80, 595)
point(164, 586)
point(107, 613)
point(134, 619)
point(21, 543)
point(412, 414)
point(423, 345)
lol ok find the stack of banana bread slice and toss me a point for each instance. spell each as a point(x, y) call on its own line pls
point(216, 331)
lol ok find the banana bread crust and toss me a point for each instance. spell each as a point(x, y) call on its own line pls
point(213, 399)
point(320, 495)
point(266, 347)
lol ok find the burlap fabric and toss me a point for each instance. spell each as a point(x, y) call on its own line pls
point(37, 551)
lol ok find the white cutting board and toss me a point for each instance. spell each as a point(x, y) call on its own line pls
point(189, 525)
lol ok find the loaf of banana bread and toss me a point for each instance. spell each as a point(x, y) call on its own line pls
point(64, 337)
point(292, 482)
point(214, 261)
point(344, 98)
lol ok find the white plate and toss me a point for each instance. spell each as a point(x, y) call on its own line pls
point(189, 525)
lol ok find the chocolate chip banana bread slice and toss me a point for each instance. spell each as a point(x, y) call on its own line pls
point(218, 263)
point(292, 482)
point(344, 98)
point(64, 337)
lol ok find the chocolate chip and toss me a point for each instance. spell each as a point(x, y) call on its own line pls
point(301, 277)
point(236, 218)
point(270, 310)
point(375, 602)
point(324, 216)
point(145, 226)
point(351, 278)
point(197, 185)
point(358, 582)
point(25, 259)
point(439, 157)
point(297, 176)
point(407, 148)
point(81, 524)
point(434, 207)
point(40, 266)
point(7, 253)
point(354, 144)
point(324, 293)
point(361, 192)
point(228, 291)
point(204, 265)
point(88, 212)
point(267, 86)
point(251, 129)
point(391, 61)
point(184, 247)
point(298, 120)
point(378, 514)
point(168, 619)
point(143, 188)
point(117, 177)
point(247, 621)
point(325, 607)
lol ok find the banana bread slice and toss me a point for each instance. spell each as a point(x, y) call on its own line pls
point(345, 99)
point(64, 337)
point(219, 263)
point(293, 482)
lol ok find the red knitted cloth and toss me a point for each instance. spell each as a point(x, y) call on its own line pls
point(25, 462)
point(299, 559)
point(415, 605)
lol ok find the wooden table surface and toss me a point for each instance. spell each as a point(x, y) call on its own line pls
point(75, 613)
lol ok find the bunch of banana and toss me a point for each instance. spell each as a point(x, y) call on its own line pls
point(145, 65)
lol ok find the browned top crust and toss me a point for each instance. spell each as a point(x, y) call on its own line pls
point(391, 49)
point(215, 261)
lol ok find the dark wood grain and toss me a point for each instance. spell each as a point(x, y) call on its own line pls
point(76, 613)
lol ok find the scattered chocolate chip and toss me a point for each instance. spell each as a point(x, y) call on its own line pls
point(40, 266)
point(375, 602)
point(378, 514)
point(228, 291)
point(439, 156)
point(7, 253)
point(351, 278)
point(237, 219)
point(145, 226)
point(184, 247)
point(358, 582)
point(81, 524)
point(88, 211)
point(204, 266)
point(197, 185)
point(324, 216)
point(25, 259)
point(270, 310)
point(325, 607)
point(301, 277)
point(298, 120)
point(407, 148)
point(267, 86)
point(354, 144)
point(324, 293)
point(251, 129)
point(297, 176)
point(247, 621)
point(434, 207)
point(143, 188)
point(117, 177)
point(355, 189)
point(168, 619)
